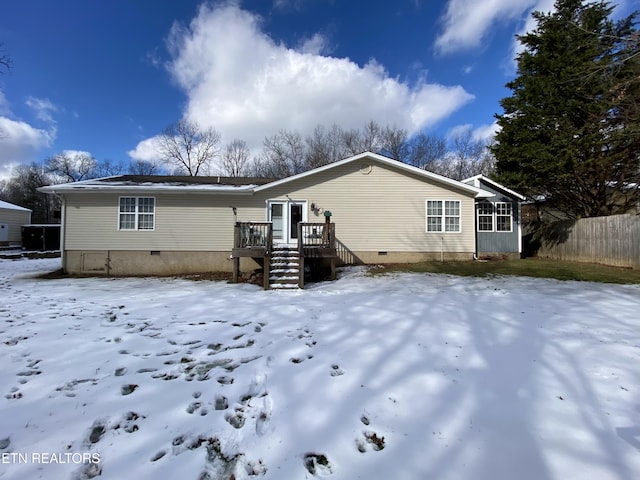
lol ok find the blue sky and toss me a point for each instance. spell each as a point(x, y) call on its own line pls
point(106, 77)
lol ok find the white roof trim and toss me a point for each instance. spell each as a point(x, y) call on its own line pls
point(476, 183)
point(386, 161)
point(11, 206)
point(99, 185)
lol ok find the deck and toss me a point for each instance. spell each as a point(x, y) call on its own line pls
point(315, 242)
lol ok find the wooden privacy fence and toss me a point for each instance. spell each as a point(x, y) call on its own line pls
point(612, 240)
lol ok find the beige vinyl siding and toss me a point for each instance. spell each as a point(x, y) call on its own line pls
point(377, 208)
point(190, 222)
point(15, 219)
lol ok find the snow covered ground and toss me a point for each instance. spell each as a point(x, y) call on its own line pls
point(397, 377)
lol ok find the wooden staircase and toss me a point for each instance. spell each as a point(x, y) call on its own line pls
point(284, 266)
point(285, 272)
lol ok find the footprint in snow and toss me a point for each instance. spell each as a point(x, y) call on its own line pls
point(97, 430)
point(158, 456)
point(225, 380)
point(194, 407)
point(13, 394)
point(221, 403)
point(371, 440)
point(318, 464)
point(128, 389)
point(128, 423)
point(264, 417)
point(88, 471)
point(236, 419)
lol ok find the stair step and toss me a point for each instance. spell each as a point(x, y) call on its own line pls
point(285, 269)
point(284, 277)
point(284, 286)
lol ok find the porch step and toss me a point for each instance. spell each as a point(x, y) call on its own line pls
point(285, 269)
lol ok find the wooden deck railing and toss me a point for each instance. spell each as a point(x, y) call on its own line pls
point(253, 235)
point(259, 236)
point(316, 241)
point(316, 235)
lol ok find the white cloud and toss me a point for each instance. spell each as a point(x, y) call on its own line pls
point(147, 150)
point(20, 143)
point(486, 132)
point(247, 86)
point(4, 104)
point(316, 45)
point(75, 154)
point(43, 108)
point(483, 133)
point(467, 22)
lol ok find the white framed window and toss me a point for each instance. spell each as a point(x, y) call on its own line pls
point(485, 216)
point(136, 213)
point(443, 216)
point(496, 217)
point(503, 217)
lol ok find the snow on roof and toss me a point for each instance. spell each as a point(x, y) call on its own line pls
point(11, 206)
point(241, 185)
point(166, 184)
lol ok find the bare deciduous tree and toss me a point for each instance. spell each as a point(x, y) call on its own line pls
point(369, 139)
point(282, 155)
point(187, 149)
point(6, 64)
point(394, 143)
point(325, 146)
point(466, 158)
point(5, 59)
point(425, 151)
point(72, 167)
point(235, 159)
point(22, 189)
point(144, 167)
point(108, 168)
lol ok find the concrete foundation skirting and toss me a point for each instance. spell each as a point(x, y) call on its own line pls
point(374, 258)
point(148, 262)
point(151, 262)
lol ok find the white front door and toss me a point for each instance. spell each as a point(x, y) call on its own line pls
point(285, 215)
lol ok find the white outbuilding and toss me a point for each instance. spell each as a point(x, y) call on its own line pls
point(12, 218)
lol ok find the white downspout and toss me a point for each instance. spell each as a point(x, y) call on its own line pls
point(63, 217)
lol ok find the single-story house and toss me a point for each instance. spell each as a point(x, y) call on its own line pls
point(498, 219)
point(364, 209)
point(12, 218)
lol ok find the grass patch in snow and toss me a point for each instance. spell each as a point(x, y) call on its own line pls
point(529, 267)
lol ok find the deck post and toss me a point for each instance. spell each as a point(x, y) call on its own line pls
point(236, 269)
point(332, 266)
point(301, 272)
point(236, 260)
point(266, 272)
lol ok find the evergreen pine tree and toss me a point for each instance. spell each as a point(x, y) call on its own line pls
point(570, 129)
